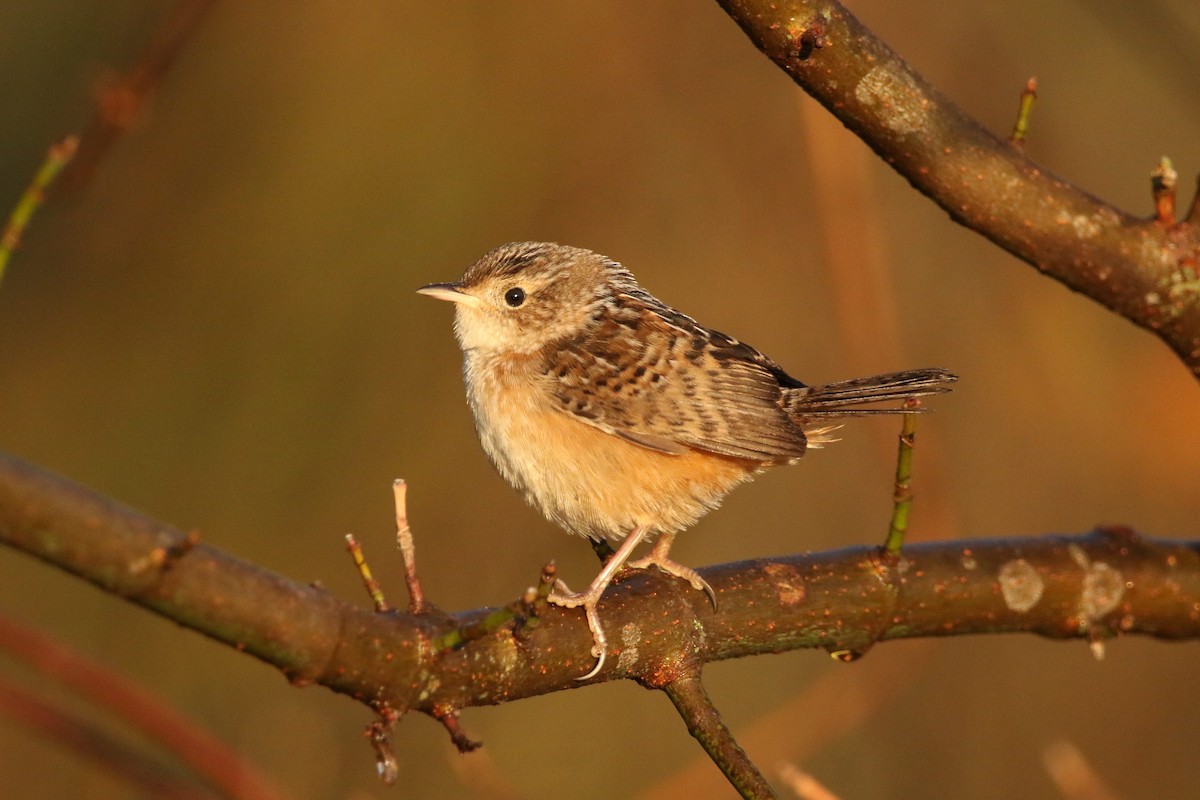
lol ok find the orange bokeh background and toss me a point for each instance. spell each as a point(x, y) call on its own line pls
point(220, 329)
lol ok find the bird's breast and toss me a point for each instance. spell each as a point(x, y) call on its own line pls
point(585, 479)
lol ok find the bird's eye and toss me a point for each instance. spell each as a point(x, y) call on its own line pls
point(515, 296)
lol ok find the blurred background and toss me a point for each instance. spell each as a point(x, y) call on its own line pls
point(219, 328)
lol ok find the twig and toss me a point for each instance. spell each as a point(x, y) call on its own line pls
point(705, 724)
point(1021, 127)
point(364, 572)
point(1162, 183)
point(408, 552)
point(57, 157)
point(520, 614)
point(902, 496)
point(458, 737)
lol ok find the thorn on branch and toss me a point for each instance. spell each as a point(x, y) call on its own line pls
point(811, 38)
point(846, 656)
point(1024, 112)
point(1162, 182)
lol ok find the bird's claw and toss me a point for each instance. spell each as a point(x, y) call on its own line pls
point(678, 570)
point(589, 600)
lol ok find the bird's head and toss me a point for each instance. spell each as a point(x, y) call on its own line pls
point(523, 296)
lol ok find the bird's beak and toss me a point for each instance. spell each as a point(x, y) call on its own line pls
point(450, 291)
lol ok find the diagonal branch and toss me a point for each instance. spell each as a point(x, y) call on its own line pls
point(1139, 268)
point(703, 722)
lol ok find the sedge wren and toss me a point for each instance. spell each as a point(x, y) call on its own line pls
point(620, 418)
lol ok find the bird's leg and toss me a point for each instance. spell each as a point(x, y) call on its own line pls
point(658, 558)
point(590, 598)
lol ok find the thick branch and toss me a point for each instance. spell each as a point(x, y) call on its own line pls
point(1091, 586)
point(1139, 268)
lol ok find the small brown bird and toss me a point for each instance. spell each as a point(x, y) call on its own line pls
point(620, 418)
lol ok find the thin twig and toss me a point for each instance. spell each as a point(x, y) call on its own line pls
point(408, 551)
point(704, 723)
point(1021, 126)
point(364, 572)
point(521, 615)
point(902, 496)
point(57, 157)
point(458, 737)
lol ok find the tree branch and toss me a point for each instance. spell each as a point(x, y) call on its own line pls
point(703, 722)
point(1093, 586)
point(1142, 269)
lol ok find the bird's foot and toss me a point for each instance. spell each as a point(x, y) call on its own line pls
point(589, 600)
point(658, 558)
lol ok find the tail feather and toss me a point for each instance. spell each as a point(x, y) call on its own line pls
point(831, 400)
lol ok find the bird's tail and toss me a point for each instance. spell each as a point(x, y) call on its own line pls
point(831, 401)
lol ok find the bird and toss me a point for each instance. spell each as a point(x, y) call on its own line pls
point(622, 419)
